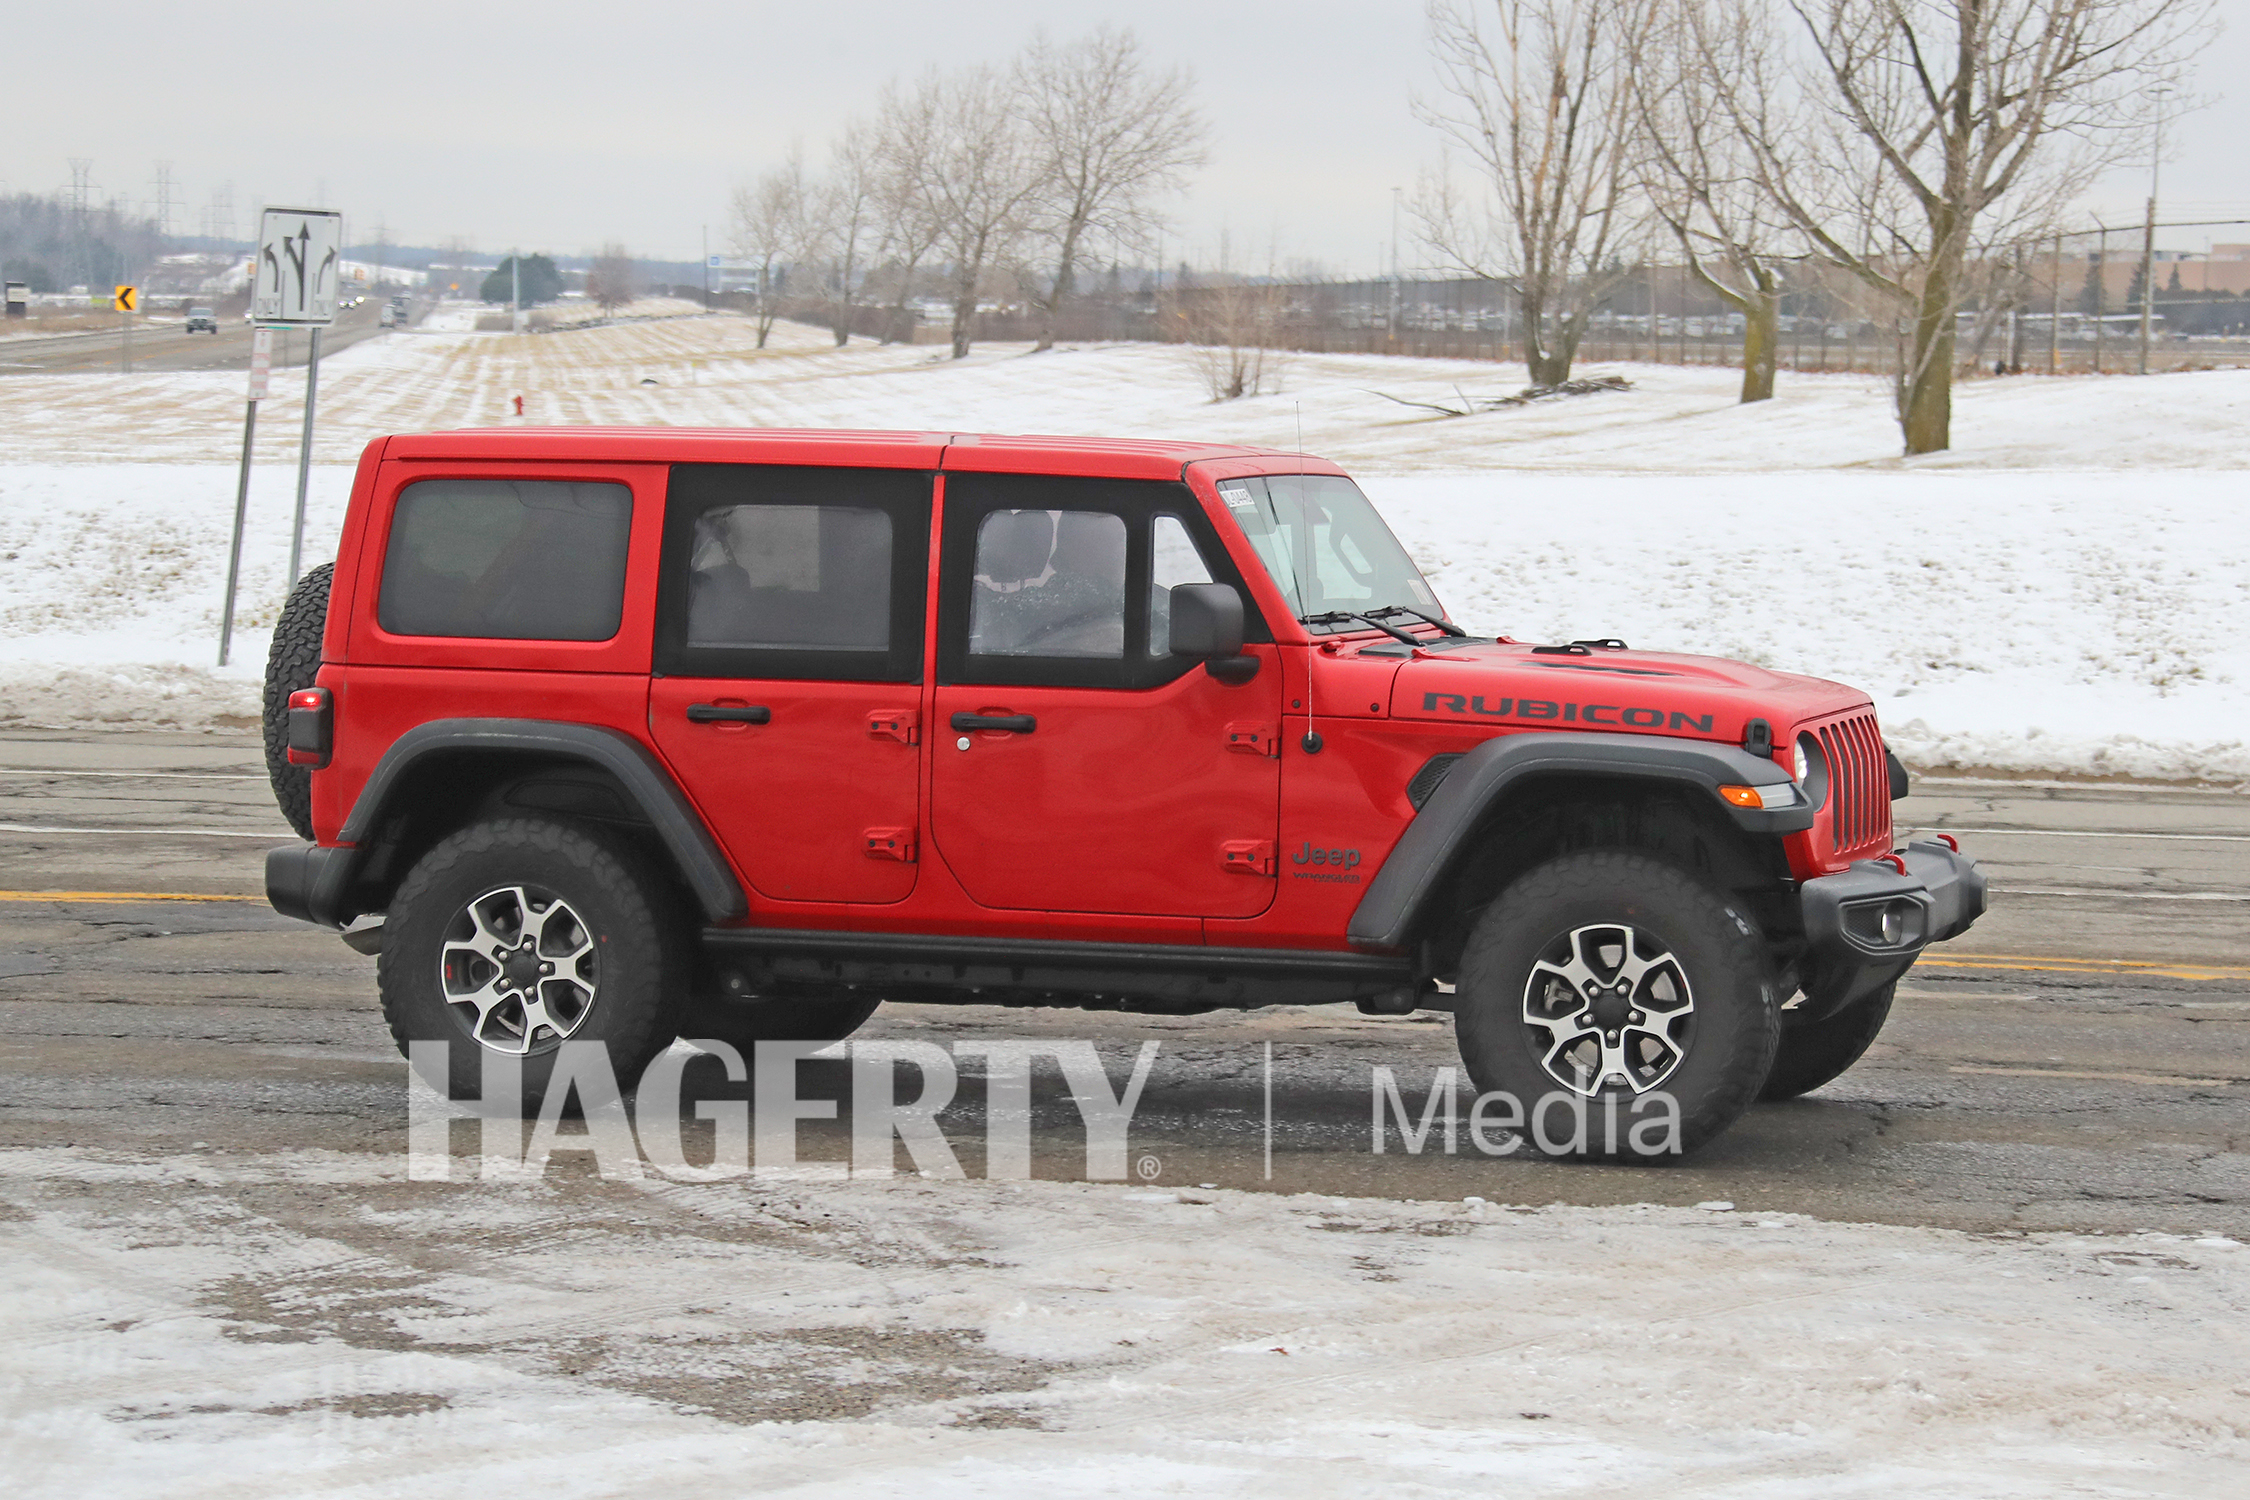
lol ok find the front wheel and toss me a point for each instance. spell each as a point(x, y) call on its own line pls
point(1626, 1008)
point(1816, 1052)
point(822, 1016)
point(512, 937)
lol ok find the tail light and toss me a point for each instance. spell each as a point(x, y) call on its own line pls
point(312, 728)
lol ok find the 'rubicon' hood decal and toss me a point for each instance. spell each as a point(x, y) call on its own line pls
point(1649, 692)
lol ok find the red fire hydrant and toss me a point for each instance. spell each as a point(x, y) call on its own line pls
point(519, 406)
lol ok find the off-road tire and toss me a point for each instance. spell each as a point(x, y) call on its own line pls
point(641, 948)
point(1725, 1041)
point(292, 663)
point(743, 1024)
point(1817, 1052)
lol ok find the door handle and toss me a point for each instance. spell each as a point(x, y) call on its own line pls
point(712, 713)
point(1013, 723)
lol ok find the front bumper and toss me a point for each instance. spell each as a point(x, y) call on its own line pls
point(1865, 926)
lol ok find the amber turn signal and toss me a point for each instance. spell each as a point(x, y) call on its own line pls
point(1742, 796)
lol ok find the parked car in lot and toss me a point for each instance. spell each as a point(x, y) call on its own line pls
point(622, 735)
point(202, 320)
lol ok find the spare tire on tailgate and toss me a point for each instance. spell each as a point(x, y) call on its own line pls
point(291, 666)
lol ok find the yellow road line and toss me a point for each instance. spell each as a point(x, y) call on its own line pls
point(2121, 966)
point(2166, 1078)
point(117, 896)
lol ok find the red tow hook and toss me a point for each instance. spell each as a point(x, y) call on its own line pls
point(1894, 859)
point(1948, 840)
point(311, 728)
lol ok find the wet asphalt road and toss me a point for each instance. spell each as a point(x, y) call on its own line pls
point(2080, 1061)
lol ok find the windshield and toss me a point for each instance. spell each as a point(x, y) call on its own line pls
point(1325, 547)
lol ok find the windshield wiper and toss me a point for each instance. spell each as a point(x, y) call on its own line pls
point(1447, 626)
point(1345, 617)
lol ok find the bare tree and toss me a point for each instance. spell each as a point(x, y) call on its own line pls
point(906, 219)
point(1539, 94)
point(841, 221)
point(977, 176)
point(610, 280)
point(770, 225)
point(1232, 325)
point(1113, 135)
point(1911, 140)
point(1701, 177)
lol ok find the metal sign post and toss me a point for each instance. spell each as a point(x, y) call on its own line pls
point(261, 367)
point(125, 300)
point(304, 461)
point(300, 261)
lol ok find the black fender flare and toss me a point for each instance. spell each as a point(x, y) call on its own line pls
point(1412, 874)
point(315, 883)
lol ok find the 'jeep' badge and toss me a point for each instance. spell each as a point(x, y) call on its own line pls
point(1338, 861)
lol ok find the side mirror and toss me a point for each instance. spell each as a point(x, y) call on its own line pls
point(1206, 620)
point(1207, 623)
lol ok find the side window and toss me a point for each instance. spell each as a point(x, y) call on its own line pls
point(800, 577)
point(793, 572)
point(1173, 560)
point(520, 560)
point(1049, 583)
point(1060, 580)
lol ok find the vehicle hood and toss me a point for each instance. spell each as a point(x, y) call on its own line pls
point(1648, 692)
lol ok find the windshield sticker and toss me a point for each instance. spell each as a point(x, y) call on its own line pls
point(1237, 497)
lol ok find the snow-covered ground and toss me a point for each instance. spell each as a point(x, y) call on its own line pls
point(2067, 590)
point(171, 1336)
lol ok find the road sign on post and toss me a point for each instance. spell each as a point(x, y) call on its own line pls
point(125, 300)
point(299, 264)
point(261, 362)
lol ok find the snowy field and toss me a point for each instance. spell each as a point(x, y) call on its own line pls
point(2068, 590)
point(175, 1329)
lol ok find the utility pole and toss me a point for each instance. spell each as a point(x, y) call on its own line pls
point(2101, 290)
point(706, 268)
point(1396, 193)
point(515, 291)
point(2054, 311)
point(2148, 229)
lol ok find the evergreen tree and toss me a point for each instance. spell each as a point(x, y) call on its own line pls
point(541, 281)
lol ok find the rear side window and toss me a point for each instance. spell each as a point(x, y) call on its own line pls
point(795, 577)
point(793, 573)
point(507, 559)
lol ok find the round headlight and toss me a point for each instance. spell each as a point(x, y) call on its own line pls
point(1812, 770)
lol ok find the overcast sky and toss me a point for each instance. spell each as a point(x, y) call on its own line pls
point(564, 124)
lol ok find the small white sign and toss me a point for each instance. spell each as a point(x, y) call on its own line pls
point(261, 362)
point(299, 265)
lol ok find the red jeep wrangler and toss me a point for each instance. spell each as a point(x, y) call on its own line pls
point(628, 734)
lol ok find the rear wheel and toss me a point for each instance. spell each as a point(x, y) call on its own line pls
point(512, 937)
point(292, 663)
point(1816, 1052)
point(1612, 989)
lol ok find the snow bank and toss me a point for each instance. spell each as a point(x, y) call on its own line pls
point(185, 1326)
point(2064, 592)
point(2096, 624)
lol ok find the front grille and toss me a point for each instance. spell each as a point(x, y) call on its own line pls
point(1859, 785)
